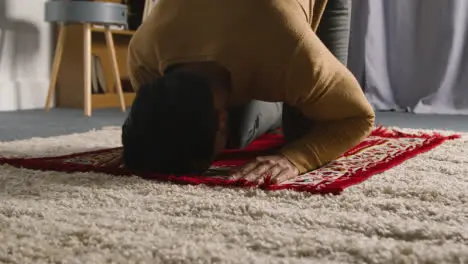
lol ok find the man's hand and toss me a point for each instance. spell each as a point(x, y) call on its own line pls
point(277, 168)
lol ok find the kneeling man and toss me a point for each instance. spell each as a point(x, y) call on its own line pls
point(216, 74)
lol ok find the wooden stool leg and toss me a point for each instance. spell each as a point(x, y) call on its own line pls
point(56, 65)
point(87, 68)
point(115, 67)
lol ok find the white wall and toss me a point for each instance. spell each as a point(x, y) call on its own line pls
point(25, 54)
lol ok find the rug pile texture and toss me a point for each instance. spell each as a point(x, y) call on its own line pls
point(416, 212)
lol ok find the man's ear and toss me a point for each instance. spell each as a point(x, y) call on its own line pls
point(222, 120)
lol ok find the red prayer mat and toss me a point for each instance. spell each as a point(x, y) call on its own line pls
point(382, 150)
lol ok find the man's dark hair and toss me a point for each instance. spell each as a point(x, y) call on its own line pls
point(171, 126)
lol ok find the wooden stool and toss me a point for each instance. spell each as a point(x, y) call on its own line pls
point(88, 13)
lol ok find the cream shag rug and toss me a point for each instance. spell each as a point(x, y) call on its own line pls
point(414, 213)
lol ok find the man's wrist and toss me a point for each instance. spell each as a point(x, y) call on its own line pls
point(293, 165)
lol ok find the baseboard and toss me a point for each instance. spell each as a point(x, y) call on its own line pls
point(23, 94)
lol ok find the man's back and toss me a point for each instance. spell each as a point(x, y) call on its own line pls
point(253, 40)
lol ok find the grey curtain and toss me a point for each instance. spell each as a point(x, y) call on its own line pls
point(411, 54)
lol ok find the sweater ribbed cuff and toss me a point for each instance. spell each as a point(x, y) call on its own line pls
point(301, 156)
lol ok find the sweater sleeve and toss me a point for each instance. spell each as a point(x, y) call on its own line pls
point(327, 94)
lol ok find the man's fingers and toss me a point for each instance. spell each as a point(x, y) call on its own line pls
point(260, 180)
point(264, 175)
point(243, 171)
point(262, 158)
point(283, 176)
point(272, 172)
point(275, 169)
point(258, 166)
point(257, 172)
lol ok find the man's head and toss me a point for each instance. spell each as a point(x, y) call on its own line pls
point(176, 125)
